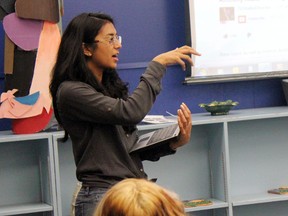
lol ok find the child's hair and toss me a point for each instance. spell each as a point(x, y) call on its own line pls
point(139, 197)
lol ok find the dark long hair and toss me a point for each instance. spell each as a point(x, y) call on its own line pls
point(71, 62)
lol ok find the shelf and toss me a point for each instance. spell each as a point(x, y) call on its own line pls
point(25, 208)
point(257, 199)
point(8, 136)
point(196, 170)
point(27, 174)
point(241, 115)
point(64, 173)
point(233, 159)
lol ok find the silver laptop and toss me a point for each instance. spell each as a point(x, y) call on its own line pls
point(155, 138)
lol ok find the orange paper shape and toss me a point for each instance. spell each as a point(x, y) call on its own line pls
point(49, 42)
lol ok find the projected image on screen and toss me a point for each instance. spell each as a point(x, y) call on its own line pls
point(238, 37)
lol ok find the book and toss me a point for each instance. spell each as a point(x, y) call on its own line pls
point(196, 203)
point(281, 191)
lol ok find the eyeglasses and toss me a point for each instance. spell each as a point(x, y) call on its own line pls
point(112, 40)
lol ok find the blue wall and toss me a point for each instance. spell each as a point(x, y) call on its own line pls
point(151, 27)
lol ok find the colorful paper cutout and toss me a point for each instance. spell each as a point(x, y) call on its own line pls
point(2, 13)
point(2, 44)
point(47, 10)
point(23, 69)
point(22, 107)
point(33, 124)
point(29, 100)
point(8, 55)
point(34, 27)
point(46, 57)
point(23, 32)
point(8, 6)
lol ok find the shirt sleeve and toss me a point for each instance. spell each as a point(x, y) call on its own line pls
point(80, 102)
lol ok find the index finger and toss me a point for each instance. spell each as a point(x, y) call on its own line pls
point(188, 50)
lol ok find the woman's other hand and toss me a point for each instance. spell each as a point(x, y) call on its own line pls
point(177, 56)
point(185, 125)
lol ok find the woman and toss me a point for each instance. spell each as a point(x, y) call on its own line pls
point(139, 197)
point(92, 104)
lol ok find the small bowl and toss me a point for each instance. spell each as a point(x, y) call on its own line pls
point(219, 108)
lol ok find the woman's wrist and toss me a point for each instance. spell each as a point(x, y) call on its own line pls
point(160, 60)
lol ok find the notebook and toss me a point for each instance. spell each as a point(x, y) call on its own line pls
point(156, 138)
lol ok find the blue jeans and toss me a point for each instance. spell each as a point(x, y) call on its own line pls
point(87, 200)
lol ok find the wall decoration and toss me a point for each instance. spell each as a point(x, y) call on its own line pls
point(32, 38)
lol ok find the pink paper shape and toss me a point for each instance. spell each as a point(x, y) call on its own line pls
point(12, 109)
point(25, 33)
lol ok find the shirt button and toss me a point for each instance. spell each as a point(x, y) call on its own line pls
point(127, 135)
point(141, 170)
point(109, 109)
